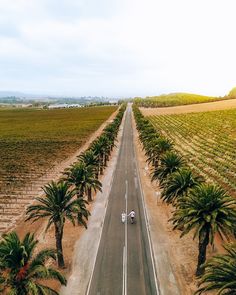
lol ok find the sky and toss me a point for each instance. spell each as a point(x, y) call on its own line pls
point(117, 48)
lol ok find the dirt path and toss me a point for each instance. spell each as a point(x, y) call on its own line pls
point(193, 108)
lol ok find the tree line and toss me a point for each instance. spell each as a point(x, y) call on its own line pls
point(22, 272)
point(200, 207)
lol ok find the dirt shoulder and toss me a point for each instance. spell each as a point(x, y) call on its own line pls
point(193, 108)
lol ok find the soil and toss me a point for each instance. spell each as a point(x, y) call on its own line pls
point(193, 108)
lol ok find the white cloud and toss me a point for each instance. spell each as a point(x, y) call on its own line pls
point(118, 47)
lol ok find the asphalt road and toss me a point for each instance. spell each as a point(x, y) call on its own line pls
point(124, 262)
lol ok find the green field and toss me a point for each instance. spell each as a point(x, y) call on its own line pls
point(175, 99)
point(33, 141)
point(207, 140)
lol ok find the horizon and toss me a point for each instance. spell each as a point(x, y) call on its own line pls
point(27, 96)
point(122, 48)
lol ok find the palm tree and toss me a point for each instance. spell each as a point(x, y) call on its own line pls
point(169, 163)
point(145, 128)
point(111, 132)
point(207, 209)
point(58, 205)
point(178, 185)
point(111, 129)
point(148, 136)
point(75, 175)
point(150, 147)
point(220, 273)
point(84, 178)
point(1, 282)
point(156, 148)
point(90, 159)
point(23, 274)
point(97, 148)
point(106, 146)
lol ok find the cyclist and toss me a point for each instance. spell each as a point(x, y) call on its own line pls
point(132, 216)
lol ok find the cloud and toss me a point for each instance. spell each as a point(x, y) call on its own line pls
point(118, 47)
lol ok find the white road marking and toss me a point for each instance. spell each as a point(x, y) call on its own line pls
point(124, 290)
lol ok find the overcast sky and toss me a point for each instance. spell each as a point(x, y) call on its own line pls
point(118, 47)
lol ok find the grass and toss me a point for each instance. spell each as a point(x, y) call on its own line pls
point(207, 140)
point(33, 141)
point(176, 99)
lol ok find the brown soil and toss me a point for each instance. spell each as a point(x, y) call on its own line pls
point(193, 108)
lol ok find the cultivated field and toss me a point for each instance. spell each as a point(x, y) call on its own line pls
point(32, 143)
point(175, 99)
point(207, 140)
point(193, 108)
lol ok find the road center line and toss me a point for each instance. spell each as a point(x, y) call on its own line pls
point(123, 289)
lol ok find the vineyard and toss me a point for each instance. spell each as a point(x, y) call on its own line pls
point(207, 140)
point(32, 143)
point(175, 99)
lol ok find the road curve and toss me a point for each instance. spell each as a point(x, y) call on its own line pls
point(124, 263)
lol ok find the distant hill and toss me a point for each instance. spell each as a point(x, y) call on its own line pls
point(175, 99)
point(232, 93)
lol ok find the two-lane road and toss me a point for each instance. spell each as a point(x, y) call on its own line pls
point(124, 264)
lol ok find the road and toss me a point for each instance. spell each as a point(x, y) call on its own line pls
point(124, 264)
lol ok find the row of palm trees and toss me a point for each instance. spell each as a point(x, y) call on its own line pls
point(22, 273)
point(200, 207)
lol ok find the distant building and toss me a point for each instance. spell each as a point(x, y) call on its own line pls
point(64, 106)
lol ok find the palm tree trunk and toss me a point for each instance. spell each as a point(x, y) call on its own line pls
point(101, 165)
point(108, 156)
point(79, 193)
point(59, 235)
point(97, 171)
point(90, 195)
point(105, 160)
point(202, 246)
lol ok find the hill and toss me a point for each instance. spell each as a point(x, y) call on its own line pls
point(175, 99)
point(232, 93)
